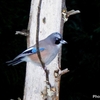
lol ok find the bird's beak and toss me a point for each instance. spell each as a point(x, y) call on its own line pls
point(63, 42)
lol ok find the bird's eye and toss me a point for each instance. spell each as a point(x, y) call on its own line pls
point(57, 41)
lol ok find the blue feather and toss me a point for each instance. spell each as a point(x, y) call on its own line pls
point(34, 50)
point(21, 56)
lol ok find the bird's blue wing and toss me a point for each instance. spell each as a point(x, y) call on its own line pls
point(32, 50)
point(19, 58)
point(29, 51)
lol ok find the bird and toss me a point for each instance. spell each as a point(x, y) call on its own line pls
point(48, 47)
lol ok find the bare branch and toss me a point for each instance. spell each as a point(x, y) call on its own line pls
point(45, 86)
point(24, 32)
point(66, 14)
point(59, 72)
point(72, 12)
point(62, 72)
point(38, 51)
point(37, 35)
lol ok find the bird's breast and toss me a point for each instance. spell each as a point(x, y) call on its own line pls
point(35, 58)
point(47, 55)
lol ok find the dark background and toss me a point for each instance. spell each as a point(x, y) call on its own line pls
point(81, 55)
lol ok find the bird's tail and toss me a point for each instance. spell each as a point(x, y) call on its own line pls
point(15, 61)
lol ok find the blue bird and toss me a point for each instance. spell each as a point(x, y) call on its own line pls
point(49, 47)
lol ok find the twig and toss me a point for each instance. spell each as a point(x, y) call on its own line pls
point(66, 14)
point(37, 45)
point(37, 35)
point(61, 72)
point(23, 32)
point(72, 12)
point(58, 73)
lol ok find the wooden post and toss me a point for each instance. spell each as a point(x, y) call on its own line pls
point(50, 20)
